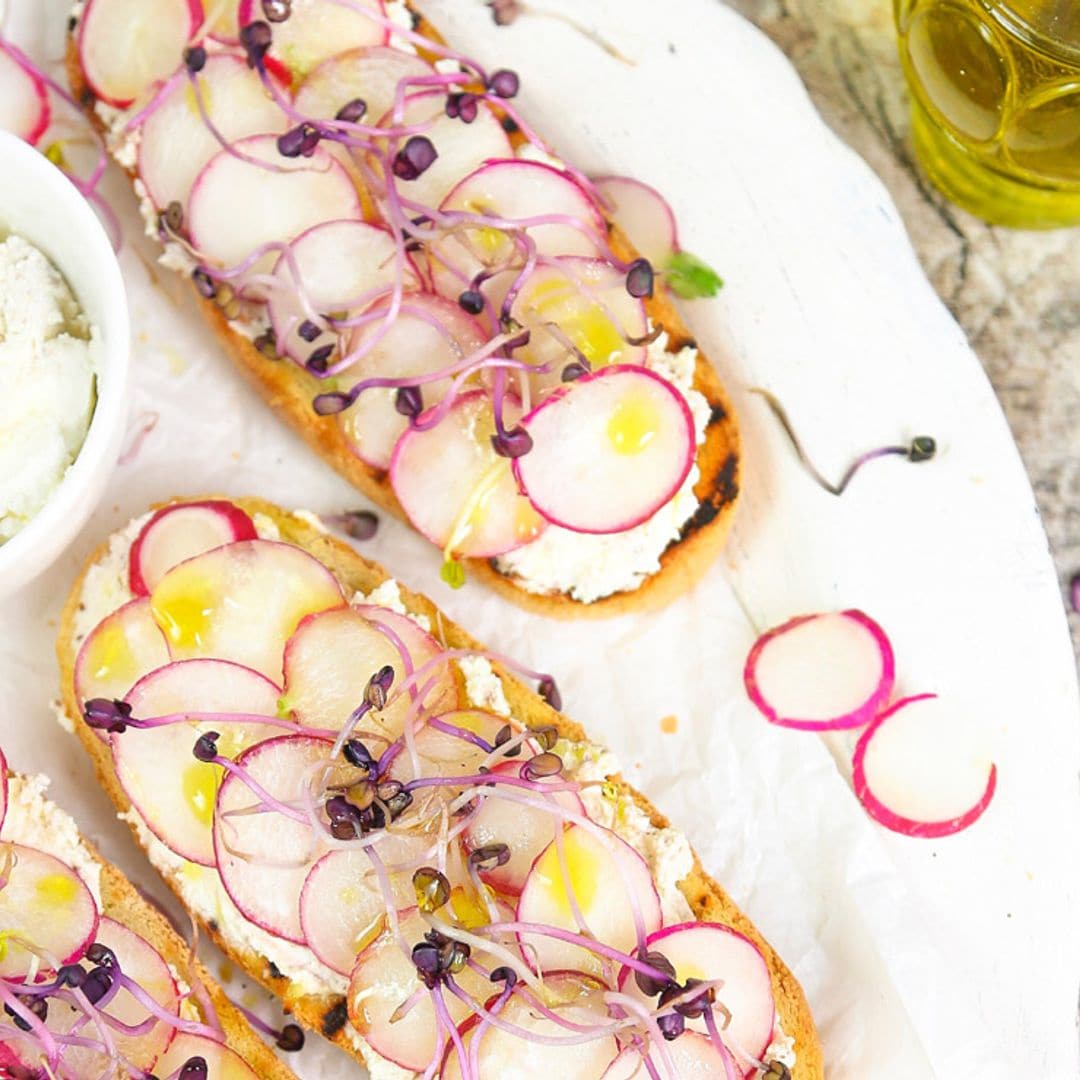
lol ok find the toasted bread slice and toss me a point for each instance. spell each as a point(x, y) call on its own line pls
point(328, 1014)
point(288, 390)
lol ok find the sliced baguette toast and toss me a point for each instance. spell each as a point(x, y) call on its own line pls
point(328, 1014)
point(288, 390)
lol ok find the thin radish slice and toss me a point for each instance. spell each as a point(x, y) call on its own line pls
point(428, 336)
point(333, 655)
point(609, 883)
point(125, 46)
point(222, 20)
point(317, 29)
point(175, 142)
point(238, 207)
point(343, 906)
point(918, 771)
point(119, 651)
point(383, 980)
point(334, 266)
point(608, 451)
point(24, 99)
point(691, 1055)
point(242, 602)
point(517, 191)
point(644, 216)
point(524, 829)
point(456, 490)
point(369, 75)
point(821, 672)
point(45, 903)
point(173, 791)
point(221, 1062)
point(180, 532)
point(714, 951)
point(505, 1054)
point(264, 858)
point(443, 752)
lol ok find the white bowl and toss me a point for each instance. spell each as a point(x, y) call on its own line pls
point(38, 202)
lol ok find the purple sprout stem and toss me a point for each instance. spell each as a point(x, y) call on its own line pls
point(447, 1022)
point(718, 1042)
point(460, 733)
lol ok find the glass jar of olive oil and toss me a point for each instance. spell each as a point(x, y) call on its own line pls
point(995, 99)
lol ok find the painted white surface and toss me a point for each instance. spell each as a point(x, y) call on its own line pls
point(951, 958)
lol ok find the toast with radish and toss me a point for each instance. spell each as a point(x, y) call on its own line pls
point(94, 981)
point(479, 337)
point(380, 821)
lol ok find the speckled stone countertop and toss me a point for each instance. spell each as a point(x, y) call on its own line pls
point(1016, 294)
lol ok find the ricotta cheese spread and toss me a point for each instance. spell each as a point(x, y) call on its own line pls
point(49, 357)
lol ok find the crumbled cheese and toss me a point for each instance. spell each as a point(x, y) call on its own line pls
point(398, 13)
point(388, 595)
point(105, 587)
point(312, 519)
point(266, 527)
point(49, 359)
point(35, 822)
point(483, 687)
point(782, 1047)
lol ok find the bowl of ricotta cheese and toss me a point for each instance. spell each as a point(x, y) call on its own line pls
point(64, 354)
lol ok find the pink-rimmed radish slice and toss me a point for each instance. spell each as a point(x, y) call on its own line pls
point(505, 1054)
point(126, 46)
point(456, 490)
point(526, 830)
point(644, 216)
point(333, 655)
point(242, 602)
point(691, 1055)
point(221, 20)
point(221, 1062)
point(821, 672)
point(518, 191)
point(119, 651)
point(919, 770)
point(428, 335)
point(370, 75)
point(24, 99)
point(607, 879)
point(317, 29)
point(338, 266)
point(343, 909)
point(264, 858)
point(714, 951)
point(461, 148)
point(608, 451)
point(447, 753)
point(177, 533)
point(238, 207)
point(172, 790)
point(384, 979)
point(587, 301)
point(45, 903)
point(175, 142)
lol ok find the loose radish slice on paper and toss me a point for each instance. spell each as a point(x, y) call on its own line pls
point(237, 207)
point(644, 216)
point(24, 99)
point(456, 490)
point(335, 266)
point(125, 46)
point(222, 1063)
point(384, 979)
point(714, 951)
point(368, 75)
point(608, 451)
point(821, 672)
point(316, 29)
point(428, 336)
point(506, 1054)
point(525, 830)
point(342, 905)
point(919, 771)
point(46, 903)
point(177, 533)
point(518, 191)
point(446, 753)
point(119, 651)
point(175, 142)
point(172, 790)
point(242, 602)
point(607, 879)
point(264, 858)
